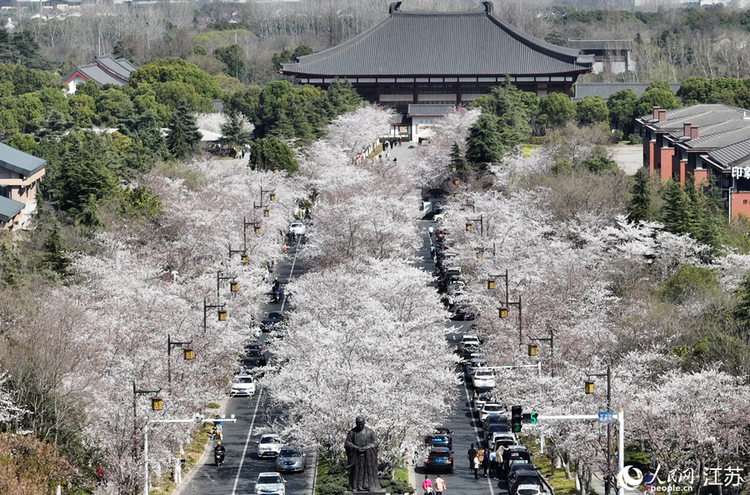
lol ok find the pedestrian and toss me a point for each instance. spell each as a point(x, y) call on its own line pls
point(485, 462)
point(472, 455)
point(99, 474)
point(284, 247)
point(431, 230)
point(427, 485)
point(439, 485)
point(399, 142)
point(493, 464)
point(477, 463)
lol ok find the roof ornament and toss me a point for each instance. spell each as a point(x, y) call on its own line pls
point(487, 7)
point(394, 7)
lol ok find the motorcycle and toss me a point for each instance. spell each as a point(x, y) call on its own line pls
point(219, 457)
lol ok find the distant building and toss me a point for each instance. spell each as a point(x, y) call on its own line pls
point(711, 142)
point(605, 90)
point(20, 174)
point(441, 58)
point(611, 56)
point(103, 70)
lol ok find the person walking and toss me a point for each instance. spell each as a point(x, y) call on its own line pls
point(472, 455)
point(431, 230)
point(477, 464)
point(427, 486)
point(439, 485)
point(485, 462)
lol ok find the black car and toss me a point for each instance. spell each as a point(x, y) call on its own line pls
point(440, 459)
point(465, 313)
point(523, 477)
point(515, 453)
point(495, 428)
point(253, 358)
point(441, 438)
point(519, 466)
point(269, 322)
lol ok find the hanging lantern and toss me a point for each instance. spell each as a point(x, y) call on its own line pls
point(234, 286)
point(257, 229)
point(480, 254)
point(469, 227)
point(156, 404)
point(276, 170)
point(244, 258)
point(455, 195)
point(589, 388)
point(222, 315)
point(188, 353)
point(456, 181)
point(266, 213)
point(453, 168)
point(533, 349)
point(503, 312)
point(491, 284)
point(273, 196)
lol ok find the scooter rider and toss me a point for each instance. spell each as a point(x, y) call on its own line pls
point(219, 452)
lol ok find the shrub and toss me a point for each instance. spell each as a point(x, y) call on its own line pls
point(635, 139)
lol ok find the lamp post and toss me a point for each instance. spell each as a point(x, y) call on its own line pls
point(222, 312)
point(503, 311)
point(589, 389)
point(481, 250)
point(187, 355)
point(243, 251)
point(233, 285)
point(156, 405)
point(467, 205)
point(470, 224)
point(533, 349)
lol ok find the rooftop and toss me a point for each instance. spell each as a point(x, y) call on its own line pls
point(19, 162)
point(9, 208)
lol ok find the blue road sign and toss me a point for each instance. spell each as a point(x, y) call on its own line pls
point(605, 417)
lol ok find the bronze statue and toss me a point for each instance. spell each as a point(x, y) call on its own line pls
point(361, 447)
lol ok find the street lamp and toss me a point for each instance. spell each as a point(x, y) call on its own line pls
point(467, 205)
point(480, 255)
point(187, 354)
point(470, 224)
point(222, 313)
point(233, 284)
point(533, 348)
point(589, 389)
point(156, 405)
point(503, 310)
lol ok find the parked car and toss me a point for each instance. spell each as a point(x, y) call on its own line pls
point(519, 466)
point(440, 459)
point(476, 361)
point(490, 408)
point(270, 484)
point(479, 402)
point(505, 439)
point(252, 358)
point(516, 453)
point(495, 418)
point(269, 445)
point(441, 438)
point(493, 429)
point(291, 459)
point(297, 228)
point(242, 385)
point(523, 477)
point(271, 321)
point(483, 378)
point(470, 340)
point(529, 490)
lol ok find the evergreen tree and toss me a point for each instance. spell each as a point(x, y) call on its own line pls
point(10, 265)
point(457, 157)
point(53, 257)
point(695, 206)
point(268, 153)
point(639, 209)
point(676, 212)
point(233, 132)
point(183, 134)
point(483, 143)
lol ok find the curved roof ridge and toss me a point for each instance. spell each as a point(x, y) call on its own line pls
point(539, 44)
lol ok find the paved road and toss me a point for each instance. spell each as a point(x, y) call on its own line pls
point(241, 468)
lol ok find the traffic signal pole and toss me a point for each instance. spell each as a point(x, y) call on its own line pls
point(620, 441)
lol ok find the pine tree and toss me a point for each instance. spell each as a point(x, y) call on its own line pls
point(695, 206)
point(639, 209)
point(457, 157)
point(233, 132)
point(53, 257)
point(183, 134)
point(484, 141)
point(676, 212)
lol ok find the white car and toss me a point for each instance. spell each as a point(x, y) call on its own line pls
point(270, 484)
point(491, 408)
point(529, 490)
point(297, 228)
point(472, 340)
point(242, 384)
point(269, 445)
point(483, 378)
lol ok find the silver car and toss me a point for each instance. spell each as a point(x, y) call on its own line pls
point(290, 459)
point(270, 484)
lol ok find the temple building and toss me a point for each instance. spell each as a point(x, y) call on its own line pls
point(428, 58)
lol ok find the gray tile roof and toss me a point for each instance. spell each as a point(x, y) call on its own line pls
point(703, 114)
point(113, 66)
point(95, 73)
point(734, 155)
point(605, 90)
point(719, 139)
point(713, 127)
point(425, 110)
point(19, 162)
point(601, 44)
point(9, 208)
point(418, 43)
point(105, 70)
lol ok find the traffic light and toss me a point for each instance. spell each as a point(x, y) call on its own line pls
point(516, 418)
point(529, 418)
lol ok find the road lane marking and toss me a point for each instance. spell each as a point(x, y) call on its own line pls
point(247, 442)
point(480, 441)
point(291, 271)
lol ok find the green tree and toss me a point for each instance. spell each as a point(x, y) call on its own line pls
point(183, 135)
point(639, 208)
point(555, 109)
point(10, 266)
point(301, 51)
point(54, 124)
point(110, 103)
point(676, 212)
point(234, 58)
point(82, 109)
point(31, 112)
point(269, 152)
point(269, 106)
point(592, 110)
point(244, 101)
point(24, 142)
point(23, 79)
point(233, 132)
point(176, 70)
point(483, 143)
point(54, 257)
point(8, 122)
point(457, 157)
point(656, 97)
point(690, 282)
point(621, 105)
